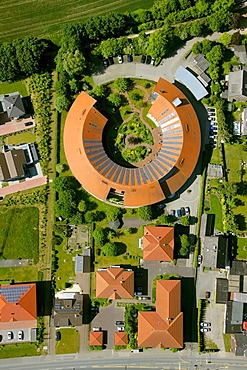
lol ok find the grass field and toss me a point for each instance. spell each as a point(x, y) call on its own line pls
point(26, 136)
point(18, 350)
point(69, 342)
point(66, 269)
point(19, 237)
point(19, 274)
point(215, 208)
point(242, 249)
point(44, 17)
point(6, 87)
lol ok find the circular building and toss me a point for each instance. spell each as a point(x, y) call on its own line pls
point(171, 166)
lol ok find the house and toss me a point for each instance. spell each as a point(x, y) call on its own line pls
point(12, 105)
point(215, 251)
point(221, 290)
point(233, 317)
point(83, 262)
point(239, 344)
point(158, 243)
point(201, 62)
point(215, 171)
point(114, 283)
point(18, 313)
point(207, 225)
point(96, 338)
point(164, 327)
point(120, 338)
point(240, 52)
point(14, 161)
point(237, 86)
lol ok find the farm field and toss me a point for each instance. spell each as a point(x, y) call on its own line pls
point(43, 17)
point(19, 236)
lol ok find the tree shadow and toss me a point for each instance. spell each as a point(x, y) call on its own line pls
point(240, 220)
point(121, 247)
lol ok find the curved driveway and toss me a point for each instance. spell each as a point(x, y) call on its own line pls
point(166, 69)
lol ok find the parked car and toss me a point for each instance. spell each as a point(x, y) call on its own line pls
point(136, 350)
point(148, 60)
point(1, 198)
point(179, 214)
point(207, 295)
point(187, 210)
point(10, 335)
point(119, 323)
point(105, 62)
point(20, 335)
point(120, 59)
point(28, 124)
point(129, 58)
point(199, 259)
point(97, 328)
point(205, 324)
point(161, 206)
point(58, 335)
point(144, 298)
point(111, 61)
point(172, 212)
point(120, 328)
point(182, 211)
point(143, 58)
point(205, 330)
point(95, 309)
point(152, 62)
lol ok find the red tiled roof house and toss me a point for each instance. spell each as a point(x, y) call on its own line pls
point(114, 283)
point(163, 328)
point(96, 338)
point(120, 338)
point(158, 243)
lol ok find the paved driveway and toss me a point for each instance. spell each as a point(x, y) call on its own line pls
point(215, 315)
point(20, 186)
point(206, 282)
point(14, 126)
point(106, 320)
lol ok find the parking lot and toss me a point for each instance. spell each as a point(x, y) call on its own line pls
point(12, 335)
point(106, 319)
point(215, 315)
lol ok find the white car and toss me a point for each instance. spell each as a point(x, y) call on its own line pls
point(120, 328)
point(10, 335)
point(120, 59)
point(152, 62)
point(206, 324)
point(20, 335)
point(98, 328)
point(205, 330)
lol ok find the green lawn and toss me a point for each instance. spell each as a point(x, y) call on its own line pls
point(216, 157)
point(19, 274)
point(43, 17)
point(227, 342)
point(69, 342)
point(19, 237)
point(242, 252)
point(215, 208)
point(18, 350)
point(66, 270)
point(26, 136)
point(19, 86)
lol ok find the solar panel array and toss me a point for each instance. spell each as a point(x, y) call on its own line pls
point(13, 293)
point(172, 141)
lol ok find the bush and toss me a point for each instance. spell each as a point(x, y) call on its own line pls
point(110, 249)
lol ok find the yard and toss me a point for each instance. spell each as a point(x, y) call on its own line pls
point(242, 249)
point(69, 342)
point(6, 87)
point(19, 350)
point(215, 208)
point(19, 237)
point(26, 136)
point(41, 18)
point(19, 274)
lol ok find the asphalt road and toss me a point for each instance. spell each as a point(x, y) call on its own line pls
point(150, 359)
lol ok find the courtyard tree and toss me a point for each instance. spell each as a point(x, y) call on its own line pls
point(145, 213)
point(166, 220)
point(63, 183)
point(121, 84)
point(99, 91)
point(115, 99)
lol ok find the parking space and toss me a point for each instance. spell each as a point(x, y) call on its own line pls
point(206, 282)
point(106, 319)
point(15, 336)
point(215, 315)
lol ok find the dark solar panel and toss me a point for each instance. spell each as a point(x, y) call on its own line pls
point(144, 178)
point(132, 177)
point(152, 171)
point(107, 167)
point(57, 305)
point(160, 163)
point(127, 176)
point(116, 174)
point(122, 176)
point(172, 137)
point(13, 294)
point(162, 155)
point(145, 169)
point(113, 169)
point(169, 165)
point(170, 147)
point(156, 168)
point(138, 176)
point(103, 164)
point(91, 141)
point(164, 151)
point(97, 156)
point(91, 152)
point(93, 146)
point(173, 143)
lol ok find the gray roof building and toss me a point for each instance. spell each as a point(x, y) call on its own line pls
point(12, 165)
point(207, 225)
point(201, 62)
point(239, 268)
point(184, 76)
point(83, 262)
point(240, 52)
point(215, 171)
point(12, 105)
point(221, 290)
point(234, 317)
point(239, 344)
point(237, 86)
point(68, 311)
point(215, 250)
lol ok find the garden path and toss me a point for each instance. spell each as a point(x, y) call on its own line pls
point(155, 132)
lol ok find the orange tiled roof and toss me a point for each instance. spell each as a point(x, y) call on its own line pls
point(158, 243)
point(157, 180)
point(120, 338)
point(114, 283)
point(18, 306)
point(163, 328)
point(96, 338)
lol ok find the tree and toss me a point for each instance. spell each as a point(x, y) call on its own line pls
point(158, 43)
point(236, 38)
point(110, 249)
point(75, 85)
point(8, 62)
point(115, 99)
point(99, 236)
point(82, 206)
point(197, 48)
point(185, 220)
point(225, 39)
point(89, 217)
point(74, 62)
point(145, 213)
point(114, 214)
point(62, 103)
point(185, 243)
point(61, 167)
point(121, 84)
point(62, 183)
point(99, 91)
